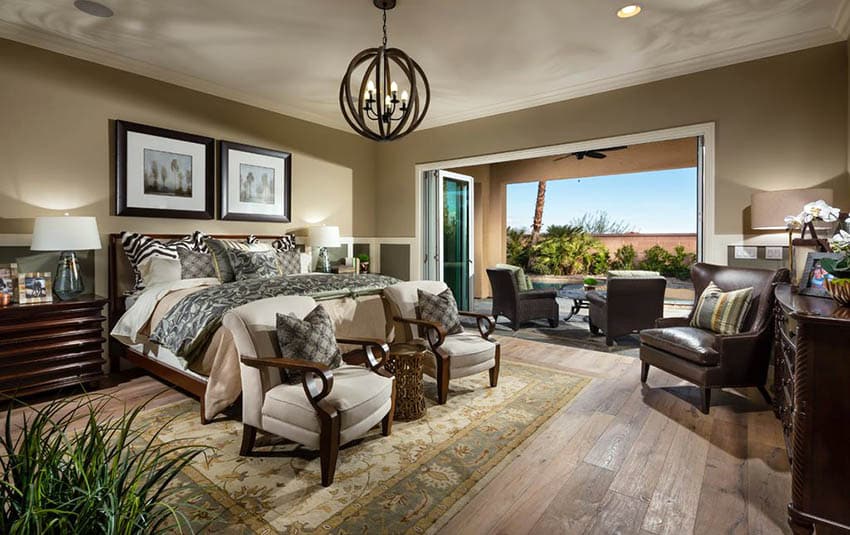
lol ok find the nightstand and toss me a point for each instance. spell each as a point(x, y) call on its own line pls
point(45, 346)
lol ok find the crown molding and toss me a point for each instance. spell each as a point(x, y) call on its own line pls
point(775, 47)
point(68, 47)
point(841, 22)
point(62, 45)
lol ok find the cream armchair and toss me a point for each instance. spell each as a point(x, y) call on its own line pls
point(456, 355)
point(329, 408)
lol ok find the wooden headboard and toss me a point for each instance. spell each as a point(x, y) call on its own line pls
point(121, 275)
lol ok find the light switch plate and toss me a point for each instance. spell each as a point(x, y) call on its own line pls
point(746, 253)
point(773, 253)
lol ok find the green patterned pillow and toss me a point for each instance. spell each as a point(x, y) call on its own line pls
point(522, 280)
point(254, 264)
point(219, 248)
point(722, 312)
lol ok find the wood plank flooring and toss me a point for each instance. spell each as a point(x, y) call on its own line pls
point(621, 458)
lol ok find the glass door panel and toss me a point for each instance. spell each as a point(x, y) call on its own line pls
point(456, 250)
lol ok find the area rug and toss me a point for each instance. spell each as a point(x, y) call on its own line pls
point(404, 483)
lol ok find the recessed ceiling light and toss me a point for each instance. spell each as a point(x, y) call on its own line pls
point(95, 9)
point(628, 11)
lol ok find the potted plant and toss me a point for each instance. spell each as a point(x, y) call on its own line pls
point(364, 262)
point(590, 284)
point(71, 466)
point(839, 286)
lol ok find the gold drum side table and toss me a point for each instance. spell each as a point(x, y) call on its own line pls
point(405, 362)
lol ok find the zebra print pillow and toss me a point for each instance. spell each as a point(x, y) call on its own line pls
point(285, 243)
point(139, 248)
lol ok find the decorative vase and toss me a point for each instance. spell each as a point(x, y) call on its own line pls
point(839, 289)
point(364, 267)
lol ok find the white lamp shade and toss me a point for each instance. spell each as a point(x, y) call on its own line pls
point(769, 208)
point(65, 234)
point(324, 236)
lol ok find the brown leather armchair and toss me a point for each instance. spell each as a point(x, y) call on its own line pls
point(711, 360)
point(629, 305)
point(520, 307)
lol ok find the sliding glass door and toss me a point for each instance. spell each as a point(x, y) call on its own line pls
point(447, 233)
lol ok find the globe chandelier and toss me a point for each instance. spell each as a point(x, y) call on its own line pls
point(371, 102)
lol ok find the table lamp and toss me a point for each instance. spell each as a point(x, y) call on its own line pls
point(66, 235)
point(769, 208)
point(323, 237)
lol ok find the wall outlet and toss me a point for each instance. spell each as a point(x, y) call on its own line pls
point(773, 253)
point(746, 253)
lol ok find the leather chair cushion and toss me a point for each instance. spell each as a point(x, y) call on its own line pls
point(357, 394)
point(689, 343)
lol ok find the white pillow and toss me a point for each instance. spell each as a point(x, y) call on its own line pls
point(306, 261)
point(159, 270)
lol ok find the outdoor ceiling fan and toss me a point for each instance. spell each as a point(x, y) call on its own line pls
point(596, 154)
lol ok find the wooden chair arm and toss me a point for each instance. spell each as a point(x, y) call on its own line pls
point(430, 327)
point(307, 369)
point(370, 346)
point(486, 325)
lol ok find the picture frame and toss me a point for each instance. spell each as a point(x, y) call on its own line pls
point(255, 183)
point(813, 277)
point(800, 250)
point(163, 173)
point(35, 287)
point(9, 279)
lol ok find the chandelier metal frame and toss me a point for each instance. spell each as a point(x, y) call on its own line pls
point(376, 110)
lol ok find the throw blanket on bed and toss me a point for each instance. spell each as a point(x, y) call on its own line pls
point(186, 329)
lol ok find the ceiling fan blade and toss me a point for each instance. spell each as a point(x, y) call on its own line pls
point(580, 155)
point(562, 157)
point(613, 148)
point(595, 154)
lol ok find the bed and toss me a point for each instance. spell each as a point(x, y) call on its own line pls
point(173, 330)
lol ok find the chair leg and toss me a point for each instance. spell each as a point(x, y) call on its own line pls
point(705, 400)
point(494, 371)
point(609, 341)
point(204, 420)
point(249, 436)
point(443, 377)
point(514, 325)
point(765, 394)
point(387, 422)
point(553, 322)
point(644, 372)
point(328, 445)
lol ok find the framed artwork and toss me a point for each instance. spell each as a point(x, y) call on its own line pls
point(256, 183)
point(163, 173)
point(8, 279)
point(800, 250)
point(814, 276)
point(35, 287)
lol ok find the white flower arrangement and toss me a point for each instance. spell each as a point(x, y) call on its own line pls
point(840, 243)
point(813, 211)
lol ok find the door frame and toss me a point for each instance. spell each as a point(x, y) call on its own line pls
point(441, 175)
point(710, 247)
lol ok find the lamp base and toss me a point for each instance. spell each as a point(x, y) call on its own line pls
point(323, 263)
point(68, 283)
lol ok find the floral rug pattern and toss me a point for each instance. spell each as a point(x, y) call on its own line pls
point(403, 483)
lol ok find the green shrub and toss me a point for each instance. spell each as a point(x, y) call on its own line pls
point(625, 257)
point(518, 251)
point(71, 468)
point(676, 264)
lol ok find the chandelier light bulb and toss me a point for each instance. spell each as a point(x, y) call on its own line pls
point(393, 87)
point(404, 96)
point(370, 87)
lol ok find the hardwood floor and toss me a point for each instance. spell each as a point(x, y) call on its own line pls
point(621, 458)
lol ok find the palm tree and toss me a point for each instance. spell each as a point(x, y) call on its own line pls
point(538, 212)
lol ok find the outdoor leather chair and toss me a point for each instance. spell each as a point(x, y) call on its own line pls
point(630, 304)
point(453, 355)
point(712, 360)
point(520, 307)
point(328, 408)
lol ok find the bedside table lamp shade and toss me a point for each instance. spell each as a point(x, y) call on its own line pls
point(66, 235)
point(324, 237)
point(769, 208)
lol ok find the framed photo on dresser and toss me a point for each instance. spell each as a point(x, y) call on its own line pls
point(256, 183)
point(163, 173)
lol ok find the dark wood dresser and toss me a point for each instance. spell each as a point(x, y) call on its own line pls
point(812, 399)
point(50, 345)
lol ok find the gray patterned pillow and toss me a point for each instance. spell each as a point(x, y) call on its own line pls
point(195, 265)
point(290, 261)
point(310, 339)
point(441, 308)
point(219, 248)
point(253, 264)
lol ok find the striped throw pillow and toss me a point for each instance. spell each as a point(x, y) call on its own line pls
point(139, 248)
point(722, 312)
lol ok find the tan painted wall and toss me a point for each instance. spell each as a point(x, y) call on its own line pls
point(781, 123)
point(55, 132)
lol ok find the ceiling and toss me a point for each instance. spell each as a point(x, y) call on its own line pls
point(482, 57)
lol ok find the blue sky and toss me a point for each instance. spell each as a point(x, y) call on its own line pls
point(655, 201)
